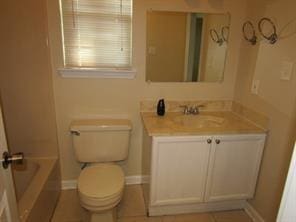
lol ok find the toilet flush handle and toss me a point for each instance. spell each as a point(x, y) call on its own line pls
point(75, 133)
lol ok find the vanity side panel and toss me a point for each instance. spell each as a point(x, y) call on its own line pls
point(146, 165)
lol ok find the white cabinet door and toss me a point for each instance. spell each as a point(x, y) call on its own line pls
point(179, 170)
point(233, 168)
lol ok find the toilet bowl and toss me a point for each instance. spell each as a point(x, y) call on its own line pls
point(101, 143)
point(100, 188)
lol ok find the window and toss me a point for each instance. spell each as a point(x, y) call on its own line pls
point(97, 34)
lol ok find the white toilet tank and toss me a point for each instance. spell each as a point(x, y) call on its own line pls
point(101, 140)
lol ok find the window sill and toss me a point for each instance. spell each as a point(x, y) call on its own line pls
point(97, 73)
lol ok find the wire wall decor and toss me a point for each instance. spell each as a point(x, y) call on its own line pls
point(223, 37)
point(249, 31)
point(252, 38)
point(225, 33)
point(272, 37)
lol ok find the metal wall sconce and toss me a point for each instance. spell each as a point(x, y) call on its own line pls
point(273, 37)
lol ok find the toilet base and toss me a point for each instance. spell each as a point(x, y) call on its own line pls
point(106, 216)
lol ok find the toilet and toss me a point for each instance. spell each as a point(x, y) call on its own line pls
point(99, 144)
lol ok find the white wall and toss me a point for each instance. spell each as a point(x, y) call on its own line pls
point(276, 99)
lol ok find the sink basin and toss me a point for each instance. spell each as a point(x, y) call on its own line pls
point(198, 121)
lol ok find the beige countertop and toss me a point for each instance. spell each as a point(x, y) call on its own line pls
point(205, 123)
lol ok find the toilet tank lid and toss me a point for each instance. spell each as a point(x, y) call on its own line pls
point(100, 124)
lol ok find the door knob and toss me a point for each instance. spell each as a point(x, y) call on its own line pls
point(7, 159)
point(209, 141)
point(218, 141)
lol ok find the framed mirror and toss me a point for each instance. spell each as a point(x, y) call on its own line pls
point(186, 47)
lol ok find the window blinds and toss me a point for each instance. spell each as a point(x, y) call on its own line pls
point(97, 33)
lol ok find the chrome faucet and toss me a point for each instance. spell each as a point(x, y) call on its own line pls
point(193, 110)
point(185, 110)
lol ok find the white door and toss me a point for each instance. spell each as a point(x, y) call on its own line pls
point(287, 211)
point(233, 168)
point(8, 205)
point(179, 170)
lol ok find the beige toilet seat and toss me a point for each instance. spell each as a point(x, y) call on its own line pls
point(101, 186)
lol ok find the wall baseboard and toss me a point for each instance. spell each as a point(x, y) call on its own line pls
point(250, 210)
point(129, 180)
point(69, 184)
point(132, 180)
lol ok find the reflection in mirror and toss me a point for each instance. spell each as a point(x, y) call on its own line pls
point(186, 47)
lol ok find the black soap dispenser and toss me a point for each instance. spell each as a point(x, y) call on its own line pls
point(161, 107)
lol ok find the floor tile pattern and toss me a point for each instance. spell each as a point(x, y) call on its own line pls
point(132, 209)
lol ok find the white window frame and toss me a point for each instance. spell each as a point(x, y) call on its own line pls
point(104, 73)
point(97, 73)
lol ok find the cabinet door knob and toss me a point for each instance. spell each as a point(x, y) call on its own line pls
point(209, 141)
point(217, 141)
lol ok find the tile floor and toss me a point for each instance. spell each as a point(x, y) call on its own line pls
point(132, 209)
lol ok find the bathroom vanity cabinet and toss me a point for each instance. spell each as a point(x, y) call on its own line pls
point(199, 163)
point(200, 173)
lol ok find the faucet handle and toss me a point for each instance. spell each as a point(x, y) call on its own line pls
point(195, 109)
point(185, 109)
point(200, 106)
